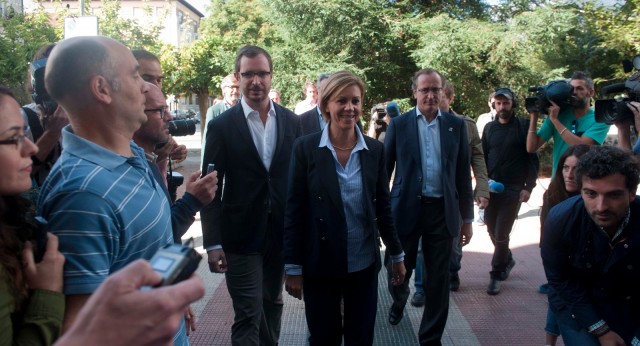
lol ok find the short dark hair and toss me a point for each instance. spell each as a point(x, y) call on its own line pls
point(250, 52)
point(426, 71)
point(143, 54)
point(43, 52)
point(603, 161)
point(74, 61)
point(579, 75)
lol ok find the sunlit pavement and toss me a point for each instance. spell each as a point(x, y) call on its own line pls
point(516, 316)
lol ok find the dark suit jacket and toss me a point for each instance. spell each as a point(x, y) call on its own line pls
point(402, 150)
point(309, 121)
point(315, 224)
point(250, 204)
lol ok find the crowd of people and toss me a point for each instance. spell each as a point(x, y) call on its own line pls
point(297, 201)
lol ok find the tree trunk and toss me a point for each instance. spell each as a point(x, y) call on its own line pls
point(203, 105)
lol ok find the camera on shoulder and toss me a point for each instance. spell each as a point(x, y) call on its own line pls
point(611, 111)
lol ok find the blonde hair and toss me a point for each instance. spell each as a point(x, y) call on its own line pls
point(334, 85)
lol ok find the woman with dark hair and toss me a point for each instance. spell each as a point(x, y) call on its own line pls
point(337, 204)
point(561, 187)
point(31, 299)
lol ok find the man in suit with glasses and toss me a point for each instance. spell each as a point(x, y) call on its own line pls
point(431, 198)
point(250, 145)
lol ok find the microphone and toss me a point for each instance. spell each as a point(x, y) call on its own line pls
point(392, 109)
point(495, 186)
point(613, 88)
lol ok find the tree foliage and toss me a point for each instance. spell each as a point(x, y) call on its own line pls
point(135, 33)
point(20, 38)
point(618, 32)
point(532, 48)
point(362, 36)
point(514, 43)
point(198, 68)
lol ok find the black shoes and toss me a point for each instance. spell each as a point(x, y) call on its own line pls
point(417, 300)
point(454, 282)
point(494, 287)
point(395, 314)
point(510, 266)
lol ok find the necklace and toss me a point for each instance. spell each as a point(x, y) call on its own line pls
point(345, 149)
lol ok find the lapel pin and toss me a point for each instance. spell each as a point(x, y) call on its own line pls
point(451, 129)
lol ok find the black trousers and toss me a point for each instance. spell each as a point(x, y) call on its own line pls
point(436, 251)
point(255, 285)
point(499, 217)
point(322, 299)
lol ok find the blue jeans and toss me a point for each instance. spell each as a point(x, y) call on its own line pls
point(552, 327)
point(573, 334)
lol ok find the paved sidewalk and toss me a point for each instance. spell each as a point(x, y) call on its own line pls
point(514, 317)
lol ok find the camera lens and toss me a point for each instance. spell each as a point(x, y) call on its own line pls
point(182, 127)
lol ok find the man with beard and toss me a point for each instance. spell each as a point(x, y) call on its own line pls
point(591, 252)
point(155, 133)
point(508, 162)
point(575, 125)
point(251, 145)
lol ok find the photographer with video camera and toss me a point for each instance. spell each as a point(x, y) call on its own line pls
point(571, 119)
point(44, 117)
point(624, 130)
point(623, 112)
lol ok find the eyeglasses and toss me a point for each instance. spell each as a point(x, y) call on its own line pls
point(251, 74)
point(161, 110)
point(17, 140)
point(425, 91)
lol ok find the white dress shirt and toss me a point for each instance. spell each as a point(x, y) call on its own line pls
point(264, 135)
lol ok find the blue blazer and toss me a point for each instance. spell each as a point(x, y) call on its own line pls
point(315, 234)
point(249, 204)
point(402, 150)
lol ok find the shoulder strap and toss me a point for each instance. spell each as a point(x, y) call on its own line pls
point(34, 123)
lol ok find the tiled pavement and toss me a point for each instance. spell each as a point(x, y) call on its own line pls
point(514, 317)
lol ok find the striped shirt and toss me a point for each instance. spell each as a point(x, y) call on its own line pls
point(430, 155)
point(360, 254)
point(106, 209)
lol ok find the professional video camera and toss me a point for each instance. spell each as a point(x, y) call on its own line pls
point(182, 127)
point(611, 111)
point(40, 95)
point(558, 91)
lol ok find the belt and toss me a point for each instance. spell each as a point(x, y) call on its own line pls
point(431, 200)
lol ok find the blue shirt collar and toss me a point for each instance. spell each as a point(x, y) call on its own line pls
point(419, 114)
point(92, 152)
point(325, 142)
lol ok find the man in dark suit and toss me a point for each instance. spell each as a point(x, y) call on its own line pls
point(311, 120)
point(430, 195)
point(250, 145)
